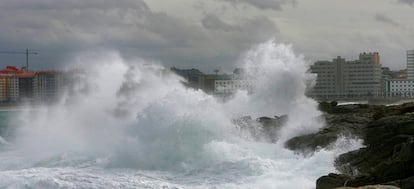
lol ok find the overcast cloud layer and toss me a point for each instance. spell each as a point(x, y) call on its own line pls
point(410, 2)
point(203, 34)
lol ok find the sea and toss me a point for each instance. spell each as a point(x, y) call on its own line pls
point(132, 124)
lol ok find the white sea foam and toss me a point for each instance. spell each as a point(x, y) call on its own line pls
point(133, 125)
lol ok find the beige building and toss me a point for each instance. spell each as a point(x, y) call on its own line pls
point(363, 79)
point(9, 88)
point(372, 57)
point(339, 78)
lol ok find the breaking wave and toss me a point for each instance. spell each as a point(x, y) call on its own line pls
point(133, 124)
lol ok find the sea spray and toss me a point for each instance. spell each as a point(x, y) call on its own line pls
point(279, 78)
point(132, 124)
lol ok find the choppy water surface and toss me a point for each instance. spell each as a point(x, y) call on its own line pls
point(132, 125)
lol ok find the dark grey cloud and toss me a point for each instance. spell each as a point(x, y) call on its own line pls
point(70, 5)
point(263, 4)
point(409, 2)
point(58, 29)
point(214, 23)
point(385, 19)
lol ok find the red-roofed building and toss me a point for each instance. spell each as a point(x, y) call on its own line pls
point(9, 84)
point(17, 85)
point(9, 88)
point(11, 70)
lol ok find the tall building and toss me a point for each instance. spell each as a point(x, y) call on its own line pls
point(18, 85)
point(363, 79)
point(9, 88)
point(329, 82)
point(9, 84)
point(230, 86)
point(372, 57)
point(192, 76)
point(399, 88)
point(339, 78)
point(25, 86)
point(410, 64)
point(48, 85)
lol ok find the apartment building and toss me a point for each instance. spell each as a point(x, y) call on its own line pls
point(410, 64)
point(230, 86)
point(9, 88)
point(9, 84)
point(48, 85)
point(400, 88)
point(348, 79)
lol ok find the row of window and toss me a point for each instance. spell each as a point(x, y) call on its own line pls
point(401, 85)
point(410, 81)
point(400, 90)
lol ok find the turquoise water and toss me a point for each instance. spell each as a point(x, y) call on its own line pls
point(7, 123)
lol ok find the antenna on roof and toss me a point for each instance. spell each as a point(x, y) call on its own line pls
point(216, 71)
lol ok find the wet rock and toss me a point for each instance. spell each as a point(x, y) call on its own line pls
point(407, 183)
point(371, 187)
point(263, 129)
point(311, 142)
point(389, 153)
point(332, 181)
point(349, 125)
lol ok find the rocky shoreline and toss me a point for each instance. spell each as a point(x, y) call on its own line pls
point(388, 155)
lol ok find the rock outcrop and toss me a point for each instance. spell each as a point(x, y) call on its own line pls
point(371, 187)
point(349, 125)
point(388, 155)
point(264, 129)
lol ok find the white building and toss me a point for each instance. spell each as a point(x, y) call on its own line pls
point(410, 64)
point(400, 88)
point(348, 79)
point(230, 86)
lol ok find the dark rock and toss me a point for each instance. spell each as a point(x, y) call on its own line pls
point(337, 125)
point(388, 127)
point(263, 129)
point(350, 108)
point(331, 181)
point(388, 134)
point(310, 143)
point(407, 183)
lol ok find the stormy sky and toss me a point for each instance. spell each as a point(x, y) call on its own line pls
point(205, 34)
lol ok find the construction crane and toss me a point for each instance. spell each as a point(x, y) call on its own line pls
point(27, 52)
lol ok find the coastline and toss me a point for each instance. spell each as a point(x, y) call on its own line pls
point(388, 133)
point(13, 107)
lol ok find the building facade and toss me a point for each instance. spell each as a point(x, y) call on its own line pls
point(9, 84)
point(371, 57)
point(26, 86)
point(230, 86)
point(48, 85)
point(329, 78)
point(339, 78)
point(363, 79)
point(400, 88)
point(410, 64)
point(9, 88)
